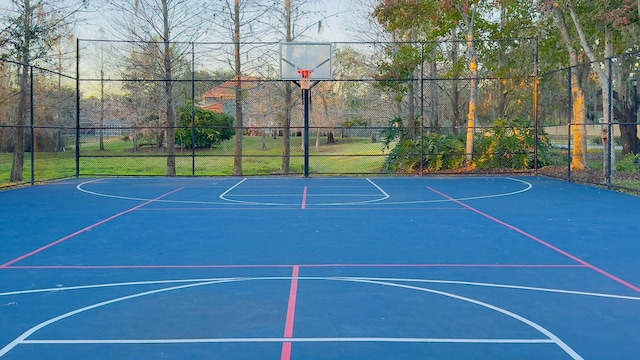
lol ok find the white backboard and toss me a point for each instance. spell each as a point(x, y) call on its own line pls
point(296, 56)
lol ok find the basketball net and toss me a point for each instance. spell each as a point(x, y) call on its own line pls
point(305, 79)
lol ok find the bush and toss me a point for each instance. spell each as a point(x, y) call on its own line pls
point(440, 152)
point(510, 144)
point(630, 163)
point(443, 152)
point(210, 127)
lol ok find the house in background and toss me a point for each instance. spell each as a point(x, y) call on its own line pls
point(258, 110)
point(223, 97)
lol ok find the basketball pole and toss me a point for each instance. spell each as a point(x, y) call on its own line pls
point(306, 94)
point(305, 85)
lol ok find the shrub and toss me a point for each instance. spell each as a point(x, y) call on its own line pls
point(630, 163)
point(210, 127)
point(440, 152)
point(510, 144)
point(443, 152)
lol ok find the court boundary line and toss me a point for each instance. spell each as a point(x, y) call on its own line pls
point(565, 347)
point(555, 339)
point(88, 228)
point(281, 266)
point(541, 242)
point(305, 195)
point(290, 340)
point(225, 200)
point(312, 278)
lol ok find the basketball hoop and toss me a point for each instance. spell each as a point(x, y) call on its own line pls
point(305, 79)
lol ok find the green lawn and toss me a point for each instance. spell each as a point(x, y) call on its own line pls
point(347, 156)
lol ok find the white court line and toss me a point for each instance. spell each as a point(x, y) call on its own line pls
point(22, 339)
point(80, 187)
point(288, 278)
point(17, 341)
point(566, 348)
point(293, 340)
point(224, 197)
point(529, 186)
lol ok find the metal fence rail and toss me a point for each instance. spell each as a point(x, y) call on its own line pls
point(110, 118)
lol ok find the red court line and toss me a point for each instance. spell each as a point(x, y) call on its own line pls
point(540, 241)
point(291, 312)
point(310, 266)
point(304, 198)
point(39, 250)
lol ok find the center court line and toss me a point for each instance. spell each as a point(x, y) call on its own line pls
point(90, 227)
point(540, 241)
point(291, 312)
point(304, 197)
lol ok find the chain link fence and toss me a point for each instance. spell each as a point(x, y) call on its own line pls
point(119, 114)
point(592, 149)
point(43, 116)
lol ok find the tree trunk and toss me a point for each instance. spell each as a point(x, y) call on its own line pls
point(237, 160)
point(578, 110)
point(469, 20)
point(288, 101)
point(455, 89)
point(411, 109)
point(628, 127)
point(578, 125)
point(434, 108)
point(17, 170)
point(473, 96)
point(331, 138)
point(286, 133)
point(609, 159)
point(170, 112)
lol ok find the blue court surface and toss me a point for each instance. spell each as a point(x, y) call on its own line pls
point(319, 268)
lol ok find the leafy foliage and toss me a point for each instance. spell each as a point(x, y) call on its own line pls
point(353, 122)
point(440, 152)
point(510, 144)
point(507, 144)
point(630, 163)
point(210, 127)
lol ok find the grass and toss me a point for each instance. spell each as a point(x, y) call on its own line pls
point(347, 156)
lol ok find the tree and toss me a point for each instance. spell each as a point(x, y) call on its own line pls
point(293, 12)
point(172, 23)
point(605, 17)
point(144, 95)
point(30, 29)
point(242, 19)
point(578, 109)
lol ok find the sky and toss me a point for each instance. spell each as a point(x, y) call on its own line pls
point(339, 18)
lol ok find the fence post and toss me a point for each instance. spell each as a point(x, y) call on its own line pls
point(77, 107)
point(421, 109)
point(611, 144)
point(536, 100)
point(31, 122)
point(570, 109)
point(193, 110)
